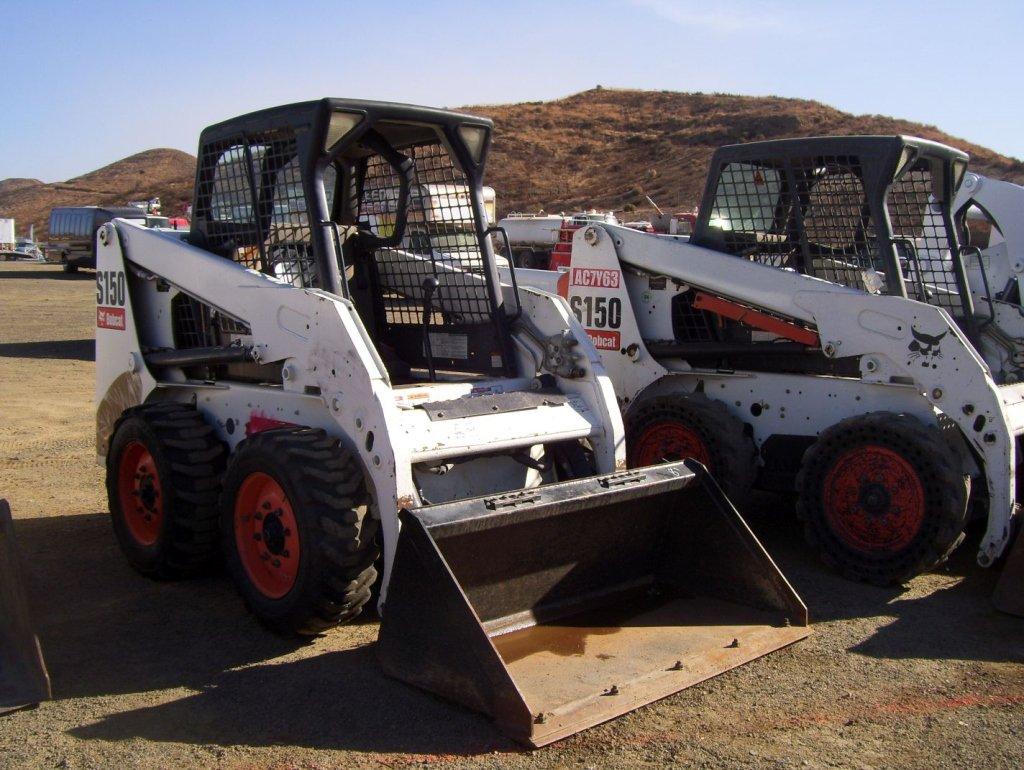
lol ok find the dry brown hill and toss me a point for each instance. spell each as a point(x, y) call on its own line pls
point(603, 148)
point(607, 148)
point(164, 173)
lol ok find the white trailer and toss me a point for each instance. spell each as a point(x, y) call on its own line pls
point(7, 239)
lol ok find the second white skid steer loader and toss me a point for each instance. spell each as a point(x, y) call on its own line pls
point(326, 364)
point(819, 332)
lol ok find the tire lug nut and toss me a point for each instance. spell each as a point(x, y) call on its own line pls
point(276, 562)
point(266, 505)
point(285, 553)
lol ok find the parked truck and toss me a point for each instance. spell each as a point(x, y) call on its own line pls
point(73, 232)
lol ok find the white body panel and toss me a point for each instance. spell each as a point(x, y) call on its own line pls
point(334, 379)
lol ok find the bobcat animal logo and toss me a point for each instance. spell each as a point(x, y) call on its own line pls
point(925, 347)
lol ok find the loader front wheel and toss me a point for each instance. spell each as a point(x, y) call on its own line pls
point(299, 530)
point(883, 497)
point(164, 468)
point(691, 425)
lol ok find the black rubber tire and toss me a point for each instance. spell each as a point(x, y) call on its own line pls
point(69, 268)
point(946, 494)
point(190, 460)
point(337, 529)
point(732, 455)
point(528, 259)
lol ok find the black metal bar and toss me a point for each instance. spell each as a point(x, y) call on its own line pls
point(675, 350)
point(429, 287)
point(511, 269)
point(964, 250)
point(342, 279)
point(226, 354)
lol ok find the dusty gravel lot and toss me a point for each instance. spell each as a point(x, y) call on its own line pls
point(160, 675)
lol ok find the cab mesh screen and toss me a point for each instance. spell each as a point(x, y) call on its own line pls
point(812, 216)
point(440, 240)
point(251, 196)
point(922, 241)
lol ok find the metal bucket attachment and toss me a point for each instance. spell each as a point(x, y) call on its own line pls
point(555, 609)
point(1009, 593)
point(23, 677)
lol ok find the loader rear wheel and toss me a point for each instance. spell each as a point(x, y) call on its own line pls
point(164, 469)
point(883, 497)
point(667, 428)
point(298, 529)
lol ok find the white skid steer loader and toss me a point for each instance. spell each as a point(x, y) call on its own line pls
point(818, 331)
point(327, 364)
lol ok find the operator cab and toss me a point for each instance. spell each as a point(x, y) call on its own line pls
point(379, 203)
point(868, 212)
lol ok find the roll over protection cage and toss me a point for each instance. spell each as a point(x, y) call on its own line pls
point(884, 167)
point(315, 145)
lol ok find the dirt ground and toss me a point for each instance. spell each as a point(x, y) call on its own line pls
point(157, 675)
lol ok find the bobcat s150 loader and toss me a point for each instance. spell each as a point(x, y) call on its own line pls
point(327, 364)
point(819, 332)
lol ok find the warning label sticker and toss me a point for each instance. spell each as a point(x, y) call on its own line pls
point(110, 318)
point(445, 345)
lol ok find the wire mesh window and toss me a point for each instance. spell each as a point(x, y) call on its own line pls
point(839, 237)
point(751, 212)
point(922, 240)
point(198, 325)
point(810, 215)
point(688, 323)
point(253, 193)
point(440, 240)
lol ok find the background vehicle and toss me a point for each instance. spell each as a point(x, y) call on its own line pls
point(7, 239)
point(73, 232)
point(818, 332)
point(317, 376)
point(540, 241)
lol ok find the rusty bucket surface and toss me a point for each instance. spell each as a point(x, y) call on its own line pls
point(23, 677)
point(557, 608)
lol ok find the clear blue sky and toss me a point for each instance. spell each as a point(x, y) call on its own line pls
point(88, 83)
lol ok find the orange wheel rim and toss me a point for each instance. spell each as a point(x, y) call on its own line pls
point(266, 535)
point(668, 440)
point(874, 500)
point(140, 493)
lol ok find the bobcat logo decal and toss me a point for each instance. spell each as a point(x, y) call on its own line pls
point(925, 347)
